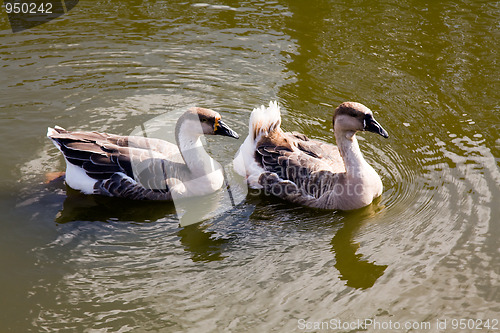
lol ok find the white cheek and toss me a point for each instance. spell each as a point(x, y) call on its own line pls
point(206, 128)
point(348, 123)
point(192, 128)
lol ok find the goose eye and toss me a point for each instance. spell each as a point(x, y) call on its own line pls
point(203, 120)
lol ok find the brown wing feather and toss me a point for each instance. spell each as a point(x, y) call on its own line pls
point(108, 159)
point(298, 168)
point(95, 153)
point(327, 153)
point(122, 186)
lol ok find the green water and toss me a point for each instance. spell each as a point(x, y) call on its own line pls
point(427, 251)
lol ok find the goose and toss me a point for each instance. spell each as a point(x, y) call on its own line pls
point(141, 168)
point(310, 172)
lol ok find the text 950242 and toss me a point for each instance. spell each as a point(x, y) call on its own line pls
point(28, 8)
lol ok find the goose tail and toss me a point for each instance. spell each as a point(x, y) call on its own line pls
point(265, 120)
point(52, 134)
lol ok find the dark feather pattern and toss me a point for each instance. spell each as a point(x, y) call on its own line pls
point(108, 158)
point(119, 185)
point(302, 172)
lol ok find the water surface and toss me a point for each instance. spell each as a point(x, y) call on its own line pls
point(427, 250)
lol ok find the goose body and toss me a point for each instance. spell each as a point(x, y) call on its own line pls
point(309, 172)
point(142, 168)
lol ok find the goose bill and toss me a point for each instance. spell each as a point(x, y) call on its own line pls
point(371, 125)
point(221, 128)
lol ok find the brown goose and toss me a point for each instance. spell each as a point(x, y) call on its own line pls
point(310, 172)
point(142, 168)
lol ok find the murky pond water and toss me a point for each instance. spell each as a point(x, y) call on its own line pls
point(427, 251)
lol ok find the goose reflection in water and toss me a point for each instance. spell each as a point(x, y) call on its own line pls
point(351, 267)
point(206, 245)
point(202, 244)
point(357, 272)
point(80, 207)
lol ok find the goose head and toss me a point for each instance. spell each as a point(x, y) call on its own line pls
point(198, 121)
point(351, 117)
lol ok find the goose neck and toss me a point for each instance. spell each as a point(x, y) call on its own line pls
point(354, 161)
point(193, 152)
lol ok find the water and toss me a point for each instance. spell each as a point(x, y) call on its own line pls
point(427, 250)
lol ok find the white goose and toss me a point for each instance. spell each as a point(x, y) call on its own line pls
point(310, 172)
point(144, 168)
